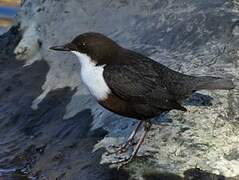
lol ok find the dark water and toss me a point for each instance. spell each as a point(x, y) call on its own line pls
point(14, 174)
point(8, 172)
point(7, 15)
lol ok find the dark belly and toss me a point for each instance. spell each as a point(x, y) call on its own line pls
point(130, 109)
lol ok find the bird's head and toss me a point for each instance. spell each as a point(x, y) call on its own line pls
point(94, 45)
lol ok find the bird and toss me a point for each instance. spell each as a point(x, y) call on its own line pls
point(133, 85)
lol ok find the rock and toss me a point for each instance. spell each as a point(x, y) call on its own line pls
point(193, 37)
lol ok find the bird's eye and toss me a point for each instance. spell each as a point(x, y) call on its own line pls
point(83, 46)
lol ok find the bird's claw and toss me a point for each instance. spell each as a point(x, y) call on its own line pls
point(122, 148)
point(122, 161)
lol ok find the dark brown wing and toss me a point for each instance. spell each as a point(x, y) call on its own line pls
point(139, 83)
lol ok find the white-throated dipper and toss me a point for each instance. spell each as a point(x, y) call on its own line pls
point(131, 84)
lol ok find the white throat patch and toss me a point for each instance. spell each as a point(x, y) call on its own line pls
point(92, 76)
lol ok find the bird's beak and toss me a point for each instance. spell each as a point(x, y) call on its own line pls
point(60, 48)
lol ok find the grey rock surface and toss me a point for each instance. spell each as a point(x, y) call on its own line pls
point(193, 37)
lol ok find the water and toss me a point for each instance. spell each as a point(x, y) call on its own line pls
point(7, 14)
point(13, 174)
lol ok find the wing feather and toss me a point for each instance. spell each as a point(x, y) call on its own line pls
point(139, 83)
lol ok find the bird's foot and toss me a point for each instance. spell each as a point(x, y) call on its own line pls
point(125, 147)
point(126, 160)
point(122, 148)
point(123, 161)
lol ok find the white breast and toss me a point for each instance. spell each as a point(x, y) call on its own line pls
point(92, 76)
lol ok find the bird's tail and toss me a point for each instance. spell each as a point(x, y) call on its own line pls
point(211, 83)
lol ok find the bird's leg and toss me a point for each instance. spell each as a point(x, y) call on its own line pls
point(126, 160)
point(129, 142)
point(131, 137)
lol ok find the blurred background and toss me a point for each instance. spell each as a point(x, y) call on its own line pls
point(7, 13)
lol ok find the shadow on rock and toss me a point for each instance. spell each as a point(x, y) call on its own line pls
point(198, 99)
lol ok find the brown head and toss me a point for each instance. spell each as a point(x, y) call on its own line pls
point(95, 45)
